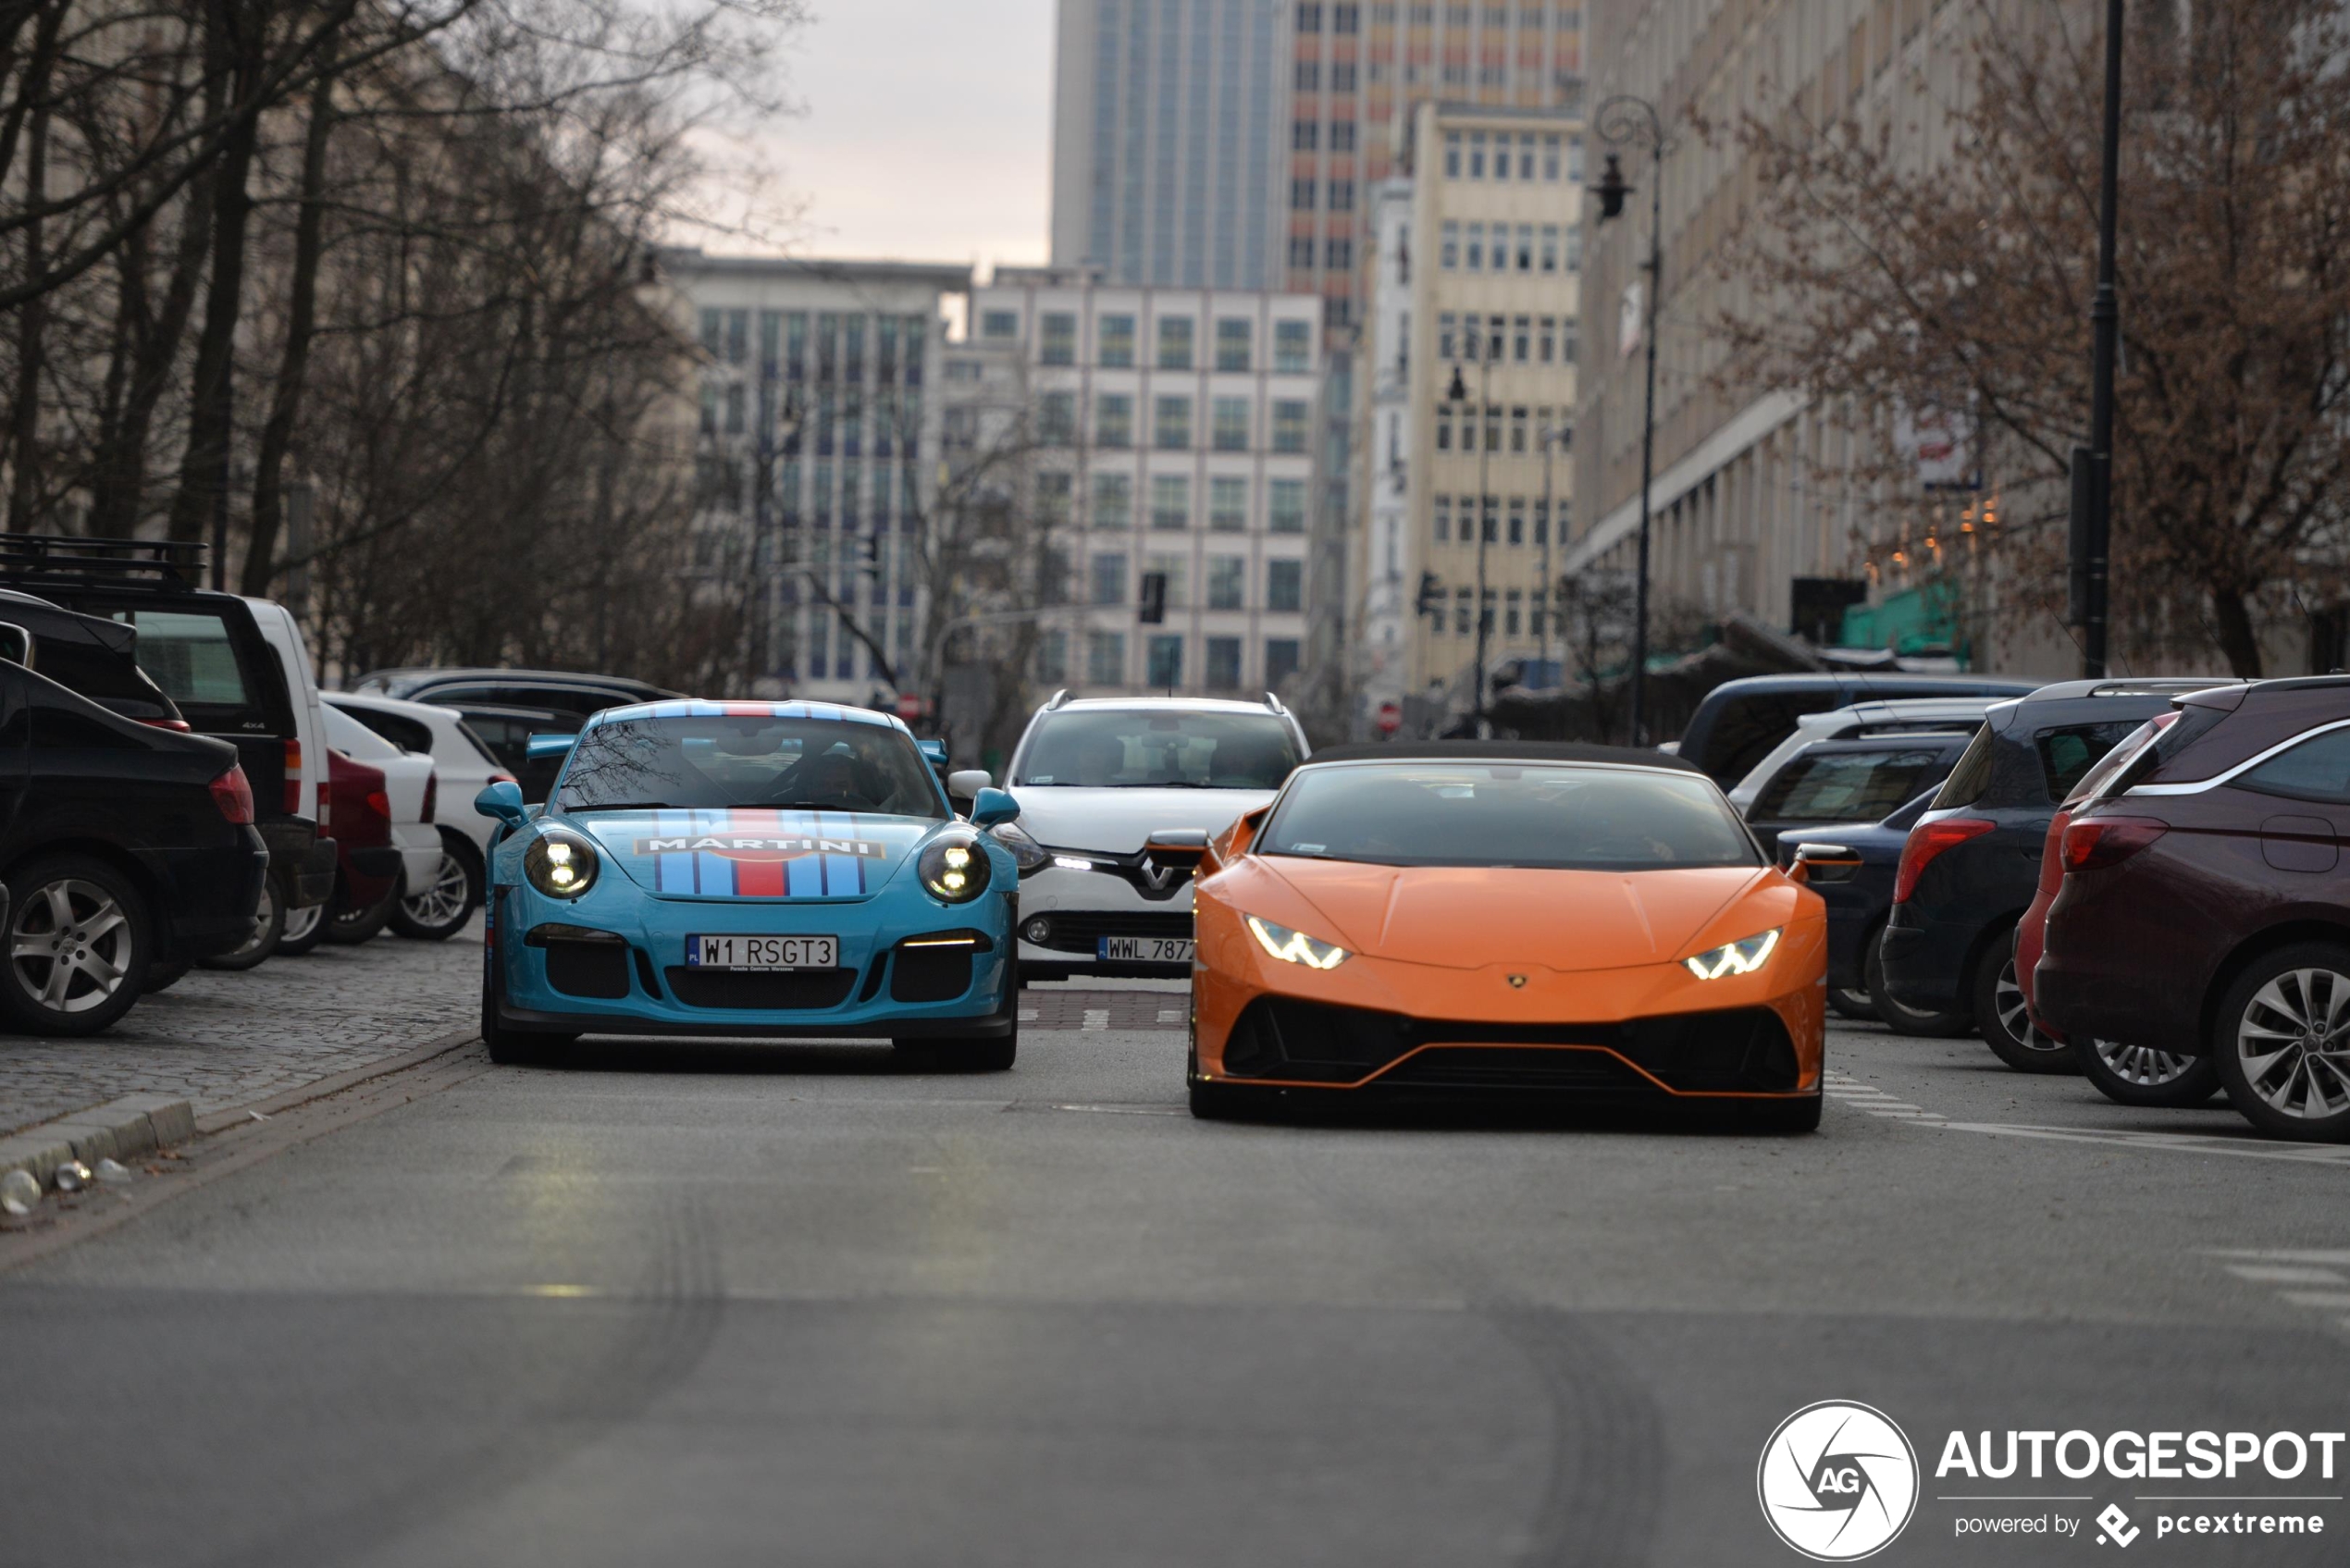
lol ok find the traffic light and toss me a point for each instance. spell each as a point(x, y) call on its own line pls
point(1432, 598)
point(1153, 599)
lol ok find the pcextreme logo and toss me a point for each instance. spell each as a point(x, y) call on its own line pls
point(1838, 1481)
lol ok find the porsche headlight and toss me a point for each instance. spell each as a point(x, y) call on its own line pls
point(560, 864)
point(1734, 957)
point(954, 868)
point(1294, 947)
point(1027, 854)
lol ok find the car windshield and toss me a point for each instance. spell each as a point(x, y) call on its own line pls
point(1157, 747)
point(756, 763)
point(1559, 817)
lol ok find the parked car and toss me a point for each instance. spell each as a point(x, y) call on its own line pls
point(1970, 864)
point(368, 864)
point(1119, 798)
point(1858, 898)
point(207, 651)
point(1738, 722)
point(93, 655)
point(2204, 908)
point(507, 707)
point(1864, 721)
point(410, 791)
point(438, 908)
point(1845, 781)
point(127, 846)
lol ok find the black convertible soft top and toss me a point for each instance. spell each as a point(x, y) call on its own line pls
point(1503, 751)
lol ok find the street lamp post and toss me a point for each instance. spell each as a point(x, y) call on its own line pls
point(1621, 119)
point(2092, 489)
point(1550, 527)
point(1458, 393)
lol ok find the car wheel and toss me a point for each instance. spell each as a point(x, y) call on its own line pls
point(78, 946)
point(2005, 1024)
point(303, 929)
point(1904, 1019)
point(2281, 1041)
point(441, 910)
point(349, 926)
point(268, 924)
point(2140, 1075)
point(1852, 1002)
point(512, 1047)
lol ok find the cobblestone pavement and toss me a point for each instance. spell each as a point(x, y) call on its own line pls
point(226, 1041)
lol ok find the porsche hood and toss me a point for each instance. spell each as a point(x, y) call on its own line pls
point(755, 854)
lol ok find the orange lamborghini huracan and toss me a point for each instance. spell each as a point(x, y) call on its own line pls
point(1512, 917)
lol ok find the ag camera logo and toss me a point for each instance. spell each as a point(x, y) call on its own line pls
point(1838, 1481)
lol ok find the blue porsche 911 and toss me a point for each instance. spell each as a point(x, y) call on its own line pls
point(750, 869)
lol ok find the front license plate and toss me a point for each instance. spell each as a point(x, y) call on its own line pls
point(1144, 949)
point(762, 952)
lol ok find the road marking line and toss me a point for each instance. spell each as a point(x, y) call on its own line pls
point(1028, 1015)
point(2285, 1254)
point(1171, 1015)
point(1127, 1110)
point(1095, 1017)
point(2171, 1142)
point(2275, 1274)
point(2332, 1301)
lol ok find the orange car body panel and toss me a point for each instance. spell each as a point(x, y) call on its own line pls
point(1442, 942)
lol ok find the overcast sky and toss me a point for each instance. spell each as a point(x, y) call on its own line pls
point(925, 130)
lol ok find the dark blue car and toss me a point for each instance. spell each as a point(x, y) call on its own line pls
point(1858, 900)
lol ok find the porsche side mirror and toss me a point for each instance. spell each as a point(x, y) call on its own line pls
point(541, 747)
point(964, 783)
point(501, 800)
point(993, 807)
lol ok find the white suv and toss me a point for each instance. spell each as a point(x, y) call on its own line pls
point(1117, 797)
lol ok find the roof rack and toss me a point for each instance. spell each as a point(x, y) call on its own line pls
point(1274, 703)
point(1057, 698)
point(159, 564)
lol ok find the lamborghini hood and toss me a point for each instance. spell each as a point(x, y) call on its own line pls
point(755, 854)
point(1466, 918)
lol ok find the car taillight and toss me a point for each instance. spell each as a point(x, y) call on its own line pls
point(379, 803)
point(293, 785)
point(1927, 840)
point(432, 795)
point(2095, 843)
point(326, 816)
point(2052, 853)
point(232, 792)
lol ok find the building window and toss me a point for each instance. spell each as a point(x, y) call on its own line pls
point(1541, 530)
point(1567, 332)
point(1451, 155)
point(1301, 252)
point(1175, 342)
point(1522, 339)
point(1444, 429)
point(1517, 524)
point(1538, 609)
point(1231, 428)
point(1342, 136)
point(1232, 343)
point(1289, 420)
point(1117, 341)
point(1113, 501)
point(1105, 659)
point(1285, 506)
point(735, 409)
point(1526, 247)
point(1110, 577)
point(795, 345)
point(1227, 503)
point(1284, 585)
point(1053, 493)
point(737, 336)
point(1346, 19)
point(714, 331)
point(1056, 419)
point(1513, 603)
point(1114, 420)
point(1309, 76)
point(1166, 662)
point(1300, 195)
point(1551, 158)
point(1305, 135)
point(1171, 568)
point(1057, 337)
point(1443, 510)
point(1052, 657)
point(1342, 195)
point(1281, 660)
point(1339, 254)
point(1474, 259)
point(1309, 18)
point(1546, 340)
point(1525, 155)
point(998, 326)
point(1491, 508)
point(1477, 154)
point(1342, 76)
point(1226, 581)
point(1574, 250)
point(1292, 343)
point(1447, 323)
point(1223, 663)
point(1170, 500)
point(1550, 247)
point(1461, 613)
point(1449, 245)
point(1172, 424)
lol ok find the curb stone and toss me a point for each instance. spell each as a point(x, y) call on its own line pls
point(118, 1130)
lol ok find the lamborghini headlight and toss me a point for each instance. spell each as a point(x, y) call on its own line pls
point(1734, 957)
point(1294, 947)
point(1027, 854)
point(954, 868)
point(560, 864)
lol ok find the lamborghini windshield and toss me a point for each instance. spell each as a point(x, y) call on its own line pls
point(1548, 816)
point(754, 763)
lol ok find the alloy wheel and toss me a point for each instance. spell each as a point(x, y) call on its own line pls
point(2293, 1043)
point(444, 900)
point(302, 922)
point(2015, 1017)
point(71, 943)
point(2142, 1065)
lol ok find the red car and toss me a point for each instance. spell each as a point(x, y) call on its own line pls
point(367, 868)
point(2204, 911)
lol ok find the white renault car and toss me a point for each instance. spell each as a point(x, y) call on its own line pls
point(1118, 796)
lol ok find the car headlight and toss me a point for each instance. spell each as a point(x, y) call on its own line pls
point(1734, 957)
point(560, 865)
point(1027, 854)
point(954, 868)
point(1294, 947)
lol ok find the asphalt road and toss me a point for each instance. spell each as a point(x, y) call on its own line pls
point(766, 1305)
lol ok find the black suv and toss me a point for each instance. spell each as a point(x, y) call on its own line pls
point(1738, 722)
point(127, 846)
point(1971, 864)
point(90, 654)
point(207, 652)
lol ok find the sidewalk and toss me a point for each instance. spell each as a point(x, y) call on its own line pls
point(224, 1042)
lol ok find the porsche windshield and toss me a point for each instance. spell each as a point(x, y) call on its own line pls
point(1548, 816)
point(1158, 749)
point(786, 764)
